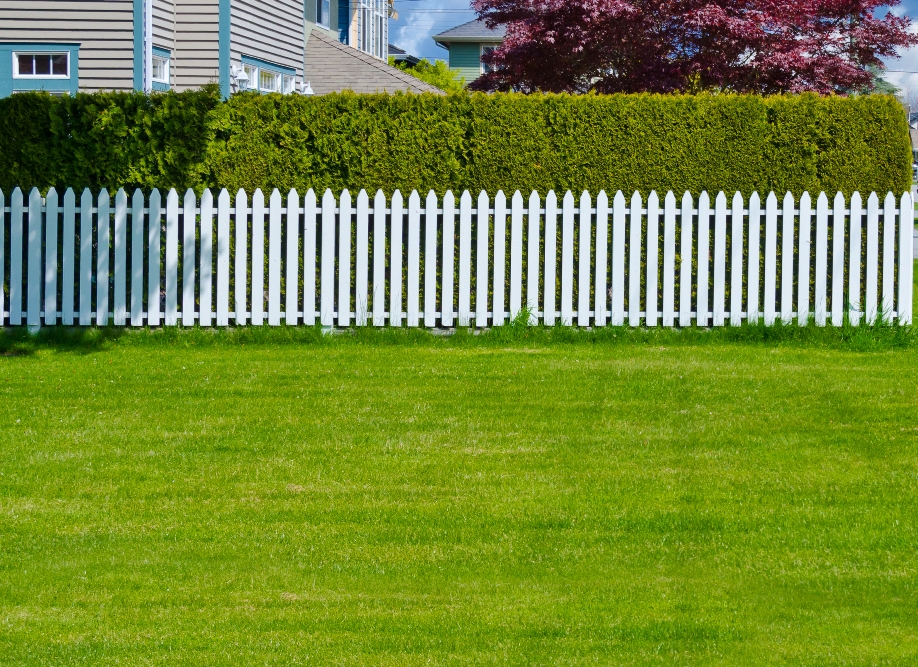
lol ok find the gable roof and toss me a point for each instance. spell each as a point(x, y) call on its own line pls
point(332, 67)
point(473, 31)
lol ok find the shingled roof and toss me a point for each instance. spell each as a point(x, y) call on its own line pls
point(473, 31)
point(332, 67)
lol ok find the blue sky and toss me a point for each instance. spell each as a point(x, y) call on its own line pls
point(420, 19)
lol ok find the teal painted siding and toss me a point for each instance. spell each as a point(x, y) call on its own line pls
point(466, 59)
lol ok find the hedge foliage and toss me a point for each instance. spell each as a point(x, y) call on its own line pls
point(457, 142)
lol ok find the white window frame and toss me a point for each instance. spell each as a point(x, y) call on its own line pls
point(484, 49)
point(277, 77)
point(289, 84)
point(253, 72)
point(167, 66)
point(373, 28)
point(57, 77)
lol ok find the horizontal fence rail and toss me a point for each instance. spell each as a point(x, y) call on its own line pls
point(442, 262)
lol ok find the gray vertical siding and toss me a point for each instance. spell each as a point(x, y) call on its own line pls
point(164, 23)
point(269, 31)
point(103, 28)
point(196, 57)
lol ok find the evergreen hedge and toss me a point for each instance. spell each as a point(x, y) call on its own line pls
point(457, 142)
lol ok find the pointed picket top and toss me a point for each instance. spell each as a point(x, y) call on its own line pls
point(414, 200)
point(328, 198)
point(619, 199)
point(449, 199)
point(839, 201)
point(517, 199)
point(431, 201)
point(873, 200)
point(396, 198)
point(466, 198)
point(310, 195)
point(568, 199)
point(670, 199)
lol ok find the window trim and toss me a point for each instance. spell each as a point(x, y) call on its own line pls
point(26, 83)
point(278, 71)
point(481, 52)
point(41, 77)
point(324, 21)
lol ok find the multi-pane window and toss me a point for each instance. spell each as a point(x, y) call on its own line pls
point(252, 73)
point(42, 65)
point(160, 69)
point(485, 68)
point(289, 84)
point(269, 82)
point(323, 12)
point(373, 27)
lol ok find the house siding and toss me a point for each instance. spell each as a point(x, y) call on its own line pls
point(465, 58)
point(164, 24)
point(274, 34)
point(196, 56)
point(103, 28)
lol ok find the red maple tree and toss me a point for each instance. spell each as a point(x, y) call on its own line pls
point(761, 46)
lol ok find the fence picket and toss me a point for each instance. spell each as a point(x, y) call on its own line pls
point(889, 254)
point(669, 260)
point(838, 261)
point(395, 261)
point(465, 259)
point(17, 213)
point(362, 259)
point(822, 248)
point(292, 260)
point(52, 220)
point(258, 258)
point(68, 258)
point(685, 260)
point(771, 259)
point(618, 259)
point(275, 209)
point(137, 243)
point(653, 259)
point(753, 284)
point(86, 224)
point(154, 258)
point(803, 275)
point(189, 271)
point(551, 256)
point(327, 277)
point(103, 248)
point(35, 267)
point(906, 258)
point(205, 295)
point(483, 238)
point(414, 258)
point(871, 276)
point(241, 257)
point(635, 250)
point(310, 227)
point(172, 215)
point(516, 256)
point(737, 246)
point(379, 259)
point(223, 257)
point(500, 256)
point(430, 260)
point(533, 257)
point(119, 309)
point(704, 257)
point(720, 258)
point(600, 300)
point(585, 248)
point(787, 260)
point(447, 298)
point(567, 259)
point(344, 259)
point(854, 265)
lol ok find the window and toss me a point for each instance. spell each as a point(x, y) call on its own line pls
point(160, 69)
point(252, 73)
point(289, 84)
point(41, 65)
point(323, 12)
point(373, 27)
point(269, 82)
point(485, 68)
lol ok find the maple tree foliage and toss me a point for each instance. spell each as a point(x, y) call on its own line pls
point(760, 46)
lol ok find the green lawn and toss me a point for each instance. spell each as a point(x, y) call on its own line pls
point(638, 503)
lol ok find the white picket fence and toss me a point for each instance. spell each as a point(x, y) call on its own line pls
point(434, 263)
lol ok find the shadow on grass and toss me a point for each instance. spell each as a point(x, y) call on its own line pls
point(85, 340)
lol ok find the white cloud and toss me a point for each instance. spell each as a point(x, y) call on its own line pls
point(420, 20)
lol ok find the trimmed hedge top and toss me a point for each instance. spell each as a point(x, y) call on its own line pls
point(476, 142)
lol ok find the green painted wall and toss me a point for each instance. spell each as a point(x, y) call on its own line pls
point(466, 59)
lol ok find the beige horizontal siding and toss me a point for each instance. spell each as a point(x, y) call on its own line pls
point(196, 57)
point(269, 31)
point(103, 28)
point(164, 24)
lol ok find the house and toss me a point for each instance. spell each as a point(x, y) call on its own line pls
point(65, 46)
point(400, 56)
point(467, 43)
